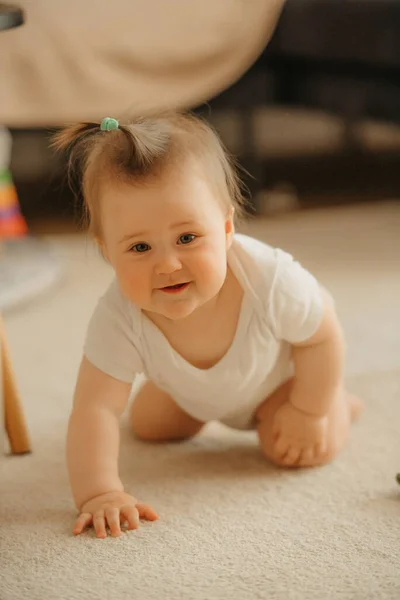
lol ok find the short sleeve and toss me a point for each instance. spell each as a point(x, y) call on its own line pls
point(110, 343)
point(295, 305)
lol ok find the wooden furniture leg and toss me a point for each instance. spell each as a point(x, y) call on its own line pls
point(14, 419)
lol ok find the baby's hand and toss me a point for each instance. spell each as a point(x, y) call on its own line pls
point(111, 510)
point(298, 436)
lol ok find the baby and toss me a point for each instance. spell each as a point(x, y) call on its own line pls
point(222, 326)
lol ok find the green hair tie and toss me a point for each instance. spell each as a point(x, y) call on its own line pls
point(108, 124)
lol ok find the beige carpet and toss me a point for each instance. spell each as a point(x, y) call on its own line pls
point(231, 525)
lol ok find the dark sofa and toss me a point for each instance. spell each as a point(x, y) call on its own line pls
point(342, 57)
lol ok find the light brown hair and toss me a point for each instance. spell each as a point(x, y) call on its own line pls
point(142, 150)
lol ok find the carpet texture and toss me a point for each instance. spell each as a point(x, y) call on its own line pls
point(231, 525)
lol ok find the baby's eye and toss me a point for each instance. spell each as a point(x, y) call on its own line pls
point(140, 248)
point(186, 238)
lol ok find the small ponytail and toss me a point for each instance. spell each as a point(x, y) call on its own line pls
point(100, 153)
point(78, 140)
point(73, 134)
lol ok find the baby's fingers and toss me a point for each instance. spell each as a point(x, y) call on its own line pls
point(131, 515)
point(99, 524)
point(84, 520)
point(322, 447)
point(281, 446)
point(113, 521)
point(307, 457)
point(292, 456)
point(146, 512)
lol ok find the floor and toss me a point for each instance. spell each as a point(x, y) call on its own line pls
point(231, 525)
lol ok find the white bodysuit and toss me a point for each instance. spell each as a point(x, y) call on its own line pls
point(282, 304)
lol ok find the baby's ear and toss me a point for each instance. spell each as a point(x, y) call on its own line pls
point(229, 227)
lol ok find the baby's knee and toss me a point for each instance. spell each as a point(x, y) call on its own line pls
point(158, 426)
point(140, 428)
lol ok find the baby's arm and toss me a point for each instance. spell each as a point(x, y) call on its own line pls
point(301, 424)
point(92, 453)
point(318, 365)
point(93, 433)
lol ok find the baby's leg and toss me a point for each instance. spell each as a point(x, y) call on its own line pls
point(342, 413)
point(156, 417)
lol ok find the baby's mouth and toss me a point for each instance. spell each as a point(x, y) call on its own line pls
point(175, 289)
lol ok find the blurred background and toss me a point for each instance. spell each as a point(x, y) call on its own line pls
point(316, 119)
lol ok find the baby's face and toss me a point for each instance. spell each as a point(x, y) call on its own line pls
point(167, 242)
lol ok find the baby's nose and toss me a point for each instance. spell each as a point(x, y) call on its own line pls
point(168, 263)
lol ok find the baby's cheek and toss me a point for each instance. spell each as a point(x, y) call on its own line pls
point(133, 283)
point(212, 268)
